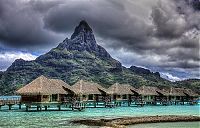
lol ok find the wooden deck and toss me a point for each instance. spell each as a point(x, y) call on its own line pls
point(80, 105)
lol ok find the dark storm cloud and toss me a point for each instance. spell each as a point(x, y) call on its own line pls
point(43, 6)
point(149, 33)
point(173, 19)
point(21, 26)
point(168, 24)
point(108, 19)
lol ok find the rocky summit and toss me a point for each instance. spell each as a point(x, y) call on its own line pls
point(79, 57)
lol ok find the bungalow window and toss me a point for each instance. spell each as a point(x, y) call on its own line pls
point(90, 97)
point(124, 96)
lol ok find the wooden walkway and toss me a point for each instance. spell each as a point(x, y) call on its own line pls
point(10, 101)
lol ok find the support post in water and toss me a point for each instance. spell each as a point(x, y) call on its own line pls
point(45, 108)
point(27, 108)
point(20, 106)
point(59, 108)
point(95, 104)
point(38, 108)
point(129, 103)
point(10, 106)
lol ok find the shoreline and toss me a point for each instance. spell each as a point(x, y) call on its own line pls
point(124, 121)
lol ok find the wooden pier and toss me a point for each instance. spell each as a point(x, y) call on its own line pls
point(76, 105)
point(10, 101)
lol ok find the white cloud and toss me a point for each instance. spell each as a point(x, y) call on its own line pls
point(170, 76)
point(6, 58)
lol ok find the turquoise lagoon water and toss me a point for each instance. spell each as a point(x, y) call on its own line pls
point(168, 125)
point(20, 119)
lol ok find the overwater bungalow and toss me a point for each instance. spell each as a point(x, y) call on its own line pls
point(43, 92)
point(89, 92)
point(173, 95)
point(67, 96)
point(163, 97)
point(191, 97)
point(121, 93)
point(190, 94)
point(146, 95)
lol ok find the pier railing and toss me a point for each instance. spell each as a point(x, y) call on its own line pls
point(10, 101)
point(7, 102)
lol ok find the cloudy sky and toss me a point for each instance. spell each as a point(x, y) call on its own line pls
point(162, 35)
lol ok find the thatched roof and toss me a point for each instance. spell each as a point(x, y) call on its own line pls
point(173, 91)
point(86, 87)
point(120, 89)
point(147, 90)
point(189, 92)
point(62, 84)
point(43, 86)
point(162, 92)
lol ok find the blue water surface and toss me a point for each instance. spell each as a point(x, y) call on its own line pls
point(21, 119)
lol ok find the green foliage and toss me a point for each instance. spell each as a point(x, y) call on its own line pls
point(70, 66)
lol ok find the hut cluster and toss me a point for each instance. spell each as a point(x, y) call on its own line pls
point(43, 92)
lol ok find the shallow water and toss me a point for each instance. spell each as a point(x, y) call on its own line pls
point(168, 125)
point(21, 119)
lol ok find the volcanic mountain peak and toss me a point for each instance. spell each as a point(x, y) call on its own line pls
point(83, 39)
point(82, 28)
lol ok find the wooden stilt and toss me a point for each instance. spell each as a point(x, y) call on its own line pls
point(129, 103)
point(10, 106)
point(26, 108)
point(20, 106)
point(95, 104)
point(38, 108)
point(59, 108)
point(45, 108)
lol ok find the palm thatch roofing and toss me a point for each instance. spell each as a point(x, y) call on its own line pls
point(85, 88)
point(172, 91)
point(62, 84)
point(120, 89)
point(44, 86)
point(147, 91)
point(189, 92)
